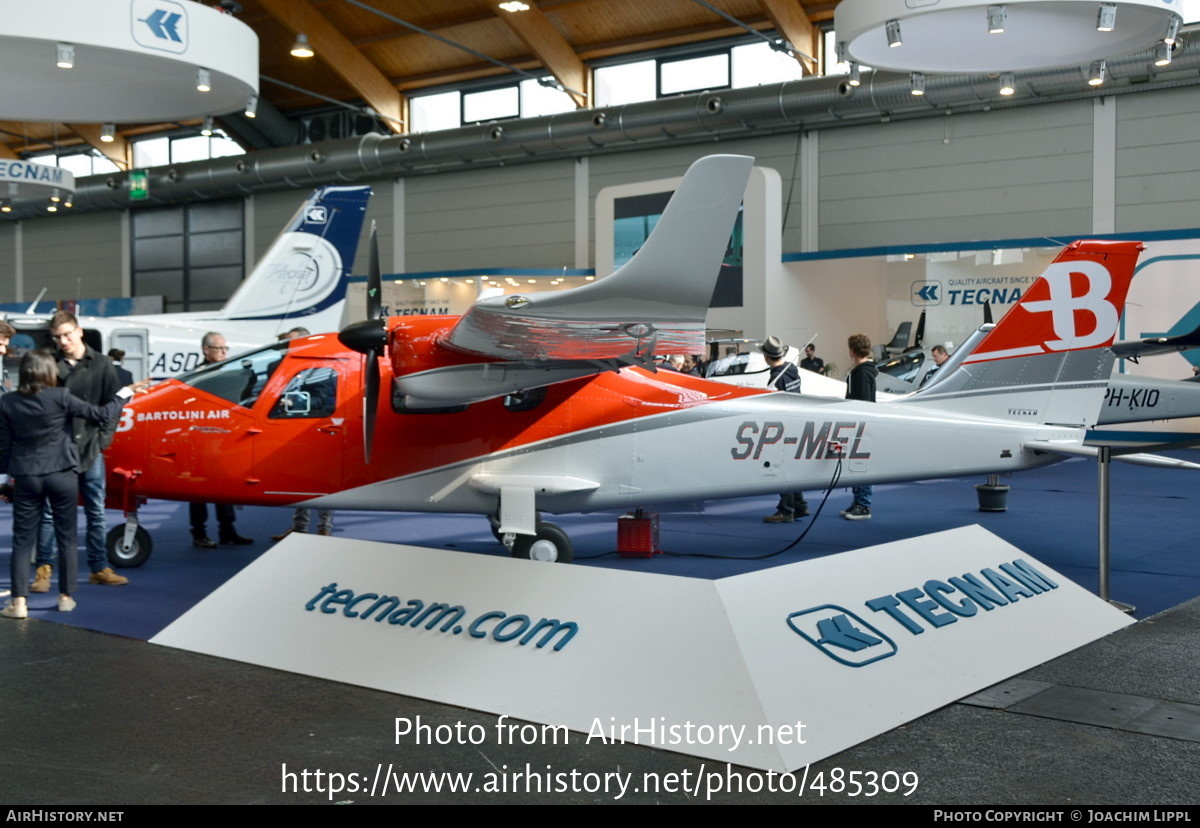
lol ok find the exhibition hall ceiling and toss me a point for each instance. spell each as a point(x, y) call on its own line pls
point(370, 60)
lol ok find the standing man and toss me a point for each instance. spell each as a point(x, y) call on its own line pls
point(811, 361)
point(214, 349)
point(118, 358)
point(7, 332)
point(860, 385)
point(90, 376)
point(784, 377)
point(940, 355)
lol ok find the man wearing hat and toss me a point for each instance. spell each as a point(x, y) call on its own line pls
point(784, 377)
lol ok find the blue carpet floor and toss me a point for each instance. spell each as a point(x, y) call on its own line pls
point(1051, 516)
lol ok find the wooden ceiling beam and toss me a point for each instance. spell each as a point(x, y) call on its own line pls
point(551, 48)
point(339, 54)
point(791, 21)
point(6, 152)
point(117, 151)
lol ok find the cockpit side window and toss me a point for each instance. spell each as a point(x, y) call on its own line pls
point(311, 393)
point(239, 379)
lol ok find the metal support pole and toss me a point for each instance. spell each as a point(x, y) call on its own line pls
point(1103, 464)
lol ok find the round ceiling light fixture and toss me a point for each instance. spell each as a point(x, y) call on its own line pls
point(961, 36)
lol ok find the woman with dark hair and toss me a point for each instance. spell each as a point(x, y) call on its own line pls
point(38, 452)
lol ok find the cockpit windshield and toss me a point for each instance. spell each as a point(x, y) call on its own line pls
point(239, 379)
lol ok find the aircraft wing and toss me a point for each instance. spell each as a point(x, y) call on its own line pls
point(654, 304)
point(1156, 345)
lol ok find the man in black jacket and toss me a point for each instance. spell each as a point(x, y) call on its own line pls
point(213, 346)
point(860, 385)
point(784, 377)
point(90, 376)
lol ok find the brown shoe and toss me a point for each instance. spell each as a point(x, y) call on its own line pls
point(107, 577)
point(779, 517)
point(282, 535)
point(41, 580)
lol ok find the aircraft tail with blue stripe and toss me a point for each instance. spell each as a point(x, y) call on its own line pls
point(302, 278)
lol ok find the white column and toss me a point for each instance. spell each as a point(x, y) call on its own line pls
point(582, 210)
point(1104, 165)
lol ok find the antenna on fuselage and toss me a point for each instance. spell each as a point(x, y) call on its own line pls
point(33, 305)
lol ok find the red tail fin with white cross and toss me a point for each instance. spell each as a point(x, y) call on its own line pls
point(1047, 359)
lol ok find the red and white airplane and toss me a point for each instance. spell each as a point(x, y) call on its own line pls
point(549, 402)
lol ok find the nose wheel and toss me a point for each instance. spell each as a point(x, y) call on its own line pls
point(128, 548)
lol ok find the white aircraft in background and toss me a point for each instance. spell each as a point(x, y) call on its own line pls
point(300, 281)
point(1128, 400)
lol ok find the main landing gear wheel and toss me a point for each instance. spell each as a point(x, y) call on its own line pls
point(550, 544)
point(138, 552)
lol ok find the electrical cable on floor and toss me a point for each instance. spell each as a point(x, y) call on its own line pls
point(837, 475)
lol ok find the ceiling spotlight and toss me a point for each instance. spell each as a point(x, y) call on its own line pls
point(108, 133)
point(68, 203)
point(66, 56)
point(996, 15)
point(203, 79)
point(1106, 18)
point(892, 27)
point(839, 52)
point(1162, 54)
point(51, 207)
point(300, 48)
point(207, 129)
point(1172, 31)
point(514, 6)
point(1097, 72)
point(252, 107)
point(916, 83)
point(55, 197)
point(855, 74)
point(5, 206)
point(1007, 83)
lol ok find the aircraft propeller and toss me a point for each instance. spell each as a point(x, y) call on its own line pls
point(369, 338)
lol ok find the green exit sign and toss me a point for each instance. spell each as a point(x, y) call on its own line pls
point(139, 185)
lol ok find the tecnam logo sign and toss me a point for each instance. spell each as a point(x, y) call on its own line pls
point(849, 639)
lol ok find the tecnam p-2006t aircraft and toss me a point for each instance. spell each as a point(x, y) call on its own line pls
point(535, 403)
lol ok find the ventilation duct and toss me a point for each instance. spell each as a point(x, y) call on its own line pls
point(811, 103)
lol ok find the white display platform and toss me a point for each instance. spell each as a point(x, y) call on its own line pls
point(848, 646)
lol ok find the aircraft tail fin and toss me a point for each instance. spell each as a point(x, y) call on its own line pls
point(1048, 359)
point(302, 278)
point(654, 303)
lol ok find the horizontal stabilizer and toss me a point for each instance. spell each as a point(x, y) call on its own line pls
point(1156, 461)
point(654, 304)
point(1157, 345)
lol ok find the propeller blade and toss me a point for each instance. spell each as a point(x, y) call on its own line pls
point(370, 402)
point(374, 279)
